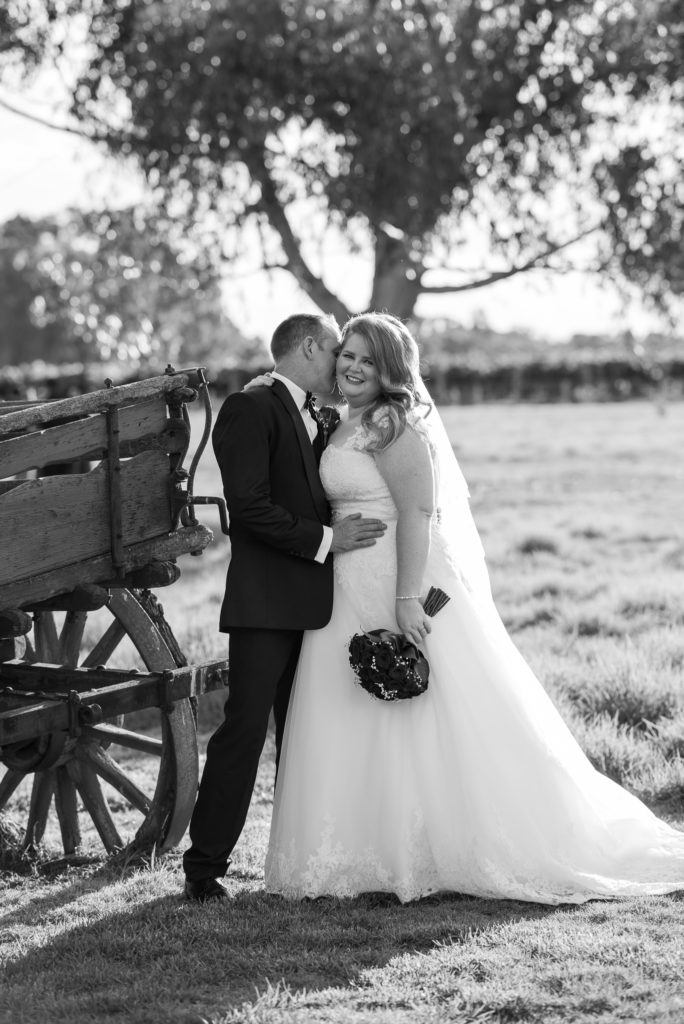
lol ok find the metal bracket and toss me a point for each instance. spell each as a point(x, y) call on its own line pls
point(206, 401)
point(114, 482)
point(221, 506)
point(176, 402)
point(74, 704)
point(166, 703)
point(185, 511)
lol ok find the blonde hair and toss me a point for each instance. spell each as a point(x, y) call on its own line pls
point(394, 352)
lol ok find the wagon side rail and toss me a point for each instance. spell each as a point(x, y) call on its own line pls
point(134, 509)
point(35, 415)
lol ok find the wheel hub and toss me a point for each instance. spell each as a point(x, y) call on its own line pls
point(35, 754)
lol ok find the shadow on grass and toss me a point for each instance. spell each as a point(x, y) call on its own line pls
point(136, 955)
point(72, 881)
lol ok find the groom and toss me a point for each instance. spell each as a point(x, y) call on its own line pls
point(268, 442)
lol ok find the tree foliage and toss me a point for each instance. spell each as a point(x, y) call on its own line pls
point(400, 124)
point(30, 32)
point(101, 286)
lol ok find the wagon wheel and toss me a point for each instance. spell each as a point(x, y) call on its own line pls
point(76, 775)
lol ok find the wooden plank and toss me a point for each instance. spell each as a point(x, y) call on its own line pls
point(59, 520)
point(12, 404)
point(39, 675)
point(175, 437)
point(25, 592)
point(94, 401)
point(83, 439)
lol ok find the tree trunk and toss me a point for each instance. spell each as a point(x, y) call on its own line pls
point(396, 284)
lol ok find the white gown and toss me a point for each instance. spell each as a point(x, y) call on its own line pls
point(476, 786)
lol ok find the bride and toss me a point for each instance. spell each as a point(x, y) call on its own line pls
point(476, 786)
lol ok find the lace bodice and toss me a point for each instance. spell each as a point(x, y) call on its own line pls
point(353, 482)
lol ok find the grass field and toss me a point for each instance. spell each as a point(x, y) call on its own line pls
point(580, 508)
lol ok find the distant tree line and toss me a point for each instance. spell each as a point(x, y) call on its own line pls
point(595, 380)
point(464, 381)
point(461, 380)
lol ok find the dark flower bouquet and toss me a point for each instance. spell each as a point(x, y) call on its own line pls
point(386, 664)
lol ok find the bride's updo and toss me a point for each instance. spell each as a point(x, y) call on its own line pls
point(394, 352)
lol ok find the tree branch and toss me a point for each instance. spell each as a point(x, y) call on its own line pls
point(107, 135)
point(267, 267)
point(502, 275)
point(43, 121)
point(271, 206)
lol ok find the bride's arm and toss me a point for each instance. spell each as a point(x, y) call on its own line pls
point(406, 467)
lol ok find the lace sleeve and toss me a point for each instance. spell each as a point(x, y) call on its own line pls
point(415, 420)
point(363, 438)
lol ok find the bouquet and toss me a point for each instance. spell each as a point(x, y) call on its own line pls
point(386, 664)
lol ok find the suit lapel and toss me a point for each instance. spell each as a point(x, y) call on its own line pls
point(308, 455)
point(318, 444)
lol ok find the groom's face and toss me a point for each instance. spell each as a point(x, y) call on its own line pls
point(324, 355)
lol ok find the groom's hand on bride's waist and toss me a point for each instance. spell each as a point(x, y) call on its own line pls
point(355, 532)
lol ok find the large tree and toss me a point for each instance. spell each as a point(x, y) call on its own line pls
point(402, 126)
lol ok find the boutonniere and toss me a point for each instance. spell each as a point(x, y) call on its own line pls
point(328, 417)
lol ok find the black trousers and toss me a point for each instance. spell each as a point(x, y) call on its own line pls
point(262, 665)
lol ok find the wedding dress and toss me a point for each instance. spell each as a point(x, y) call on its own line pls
point(476, 786)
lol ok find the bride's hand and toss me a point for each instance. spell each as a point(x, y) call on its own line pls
point(412, 620)
point(263, 378)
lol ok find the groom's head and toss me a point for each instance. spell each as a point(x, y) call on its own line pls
point(304, 348)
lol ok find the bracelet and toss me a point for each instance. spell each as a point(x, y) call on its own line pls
point(410, 597)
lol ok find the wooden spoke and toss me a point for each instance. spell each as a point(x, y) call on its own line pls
point(85, 766)
point(41, 798)
point(106, 645)
point(88, 786)
point(47, 642)
point(66, 805)
point(107, 768)
point(70, 638)
point(178, 776)
point(124, 738)
point(10, 780)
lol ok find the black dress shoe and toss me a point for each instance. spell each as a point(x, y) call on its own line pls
point(204, 890)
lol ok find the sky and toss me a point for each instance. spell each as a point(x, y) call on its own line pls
point(43, 172)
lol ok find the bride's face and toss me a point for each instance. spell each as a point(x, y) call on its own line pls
point(357, 376)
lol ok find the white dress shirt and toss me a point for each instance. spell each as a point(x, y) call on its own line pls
point(299, 398)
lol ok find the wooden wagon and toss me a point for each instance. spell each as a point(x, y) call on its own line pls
point(95, 508)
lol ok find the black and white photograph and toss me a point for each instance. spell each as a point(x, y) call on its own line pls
point(341, 511)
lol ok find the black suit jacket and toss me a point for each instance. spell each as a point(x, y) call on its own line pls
point(277, 509)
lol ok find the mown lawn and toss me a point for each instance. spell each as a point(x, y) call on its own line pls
point(580, 510)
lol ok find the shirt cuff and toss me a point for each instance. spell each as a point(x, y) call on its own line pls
point(326, 543)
